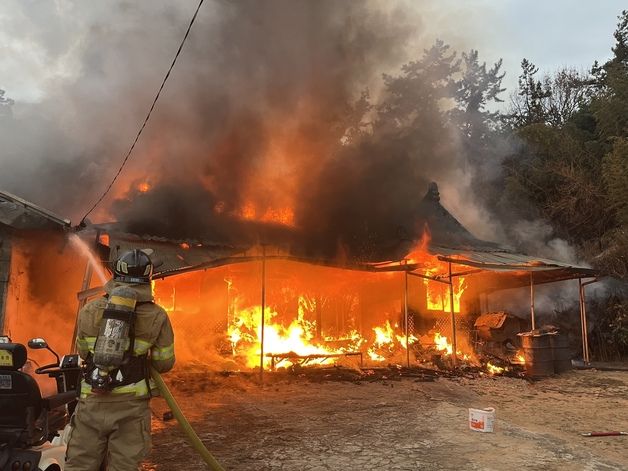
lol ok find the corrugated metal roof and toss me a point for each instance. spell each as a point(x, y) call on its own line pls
point(18, 213)
point(172, 256)
point(502, 260)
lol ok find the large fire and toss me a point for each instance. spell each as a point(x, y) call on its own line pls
point(438, 297)
point(323, 326)
point(435, 273)
point(444, 346)
point(300, 338)
point(251, 212)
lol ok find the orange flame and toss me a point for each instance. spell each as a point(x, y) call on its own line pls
point(442, 344)
point(251, 212)
point(494, 370)
point(438, 296)
point(143, 187)
point(387, 342)
point(245, 335)
point(349, 325)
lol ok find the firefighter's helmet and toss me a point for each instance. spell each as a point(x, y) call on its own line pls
point(134, 266)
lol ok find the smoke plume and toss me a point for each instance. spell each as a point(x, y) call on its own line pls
point(260, 120)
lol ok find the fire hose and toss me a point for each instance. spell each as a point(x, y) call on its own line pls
point(191, 435)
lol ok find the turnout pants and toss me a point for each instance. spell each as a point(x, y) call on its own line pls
point(119, 431)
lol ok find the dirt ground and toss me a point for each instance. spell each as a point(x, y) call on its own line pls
point(294, 423)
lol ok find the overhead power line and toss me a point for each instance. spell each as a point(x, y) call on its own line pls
point(152, 107)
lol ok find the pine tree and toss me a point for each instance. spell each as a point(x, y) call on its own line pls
point(611, 105)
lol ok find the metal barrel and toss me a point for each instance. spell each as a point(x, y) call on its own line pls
point(538, 353)
point(562, 353)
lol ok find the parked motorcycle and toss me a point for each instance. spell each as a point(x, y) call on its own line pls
point(33, 429)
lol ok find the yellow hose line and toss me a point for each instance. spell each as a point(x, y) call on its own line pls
point(196, 442)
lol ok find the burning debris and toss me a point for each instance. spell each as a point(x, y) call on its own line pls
point(336, 326)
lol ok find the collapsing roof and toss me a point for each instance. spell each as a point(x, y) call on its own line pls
point(450, 241)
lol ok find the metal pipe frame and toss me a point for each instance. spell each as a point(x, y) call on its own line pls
point(425, 277)
point(532, 301)
point(405, 311)
point(261, 356)
point(583, 332)
point(448, 281)
point(583, 319)
point(276, 358)
point(454, 355)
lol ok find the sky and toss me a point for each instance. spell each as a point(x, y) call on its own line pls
point(551, 34)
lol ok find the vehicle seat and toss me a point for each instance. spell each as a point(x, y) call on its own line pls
point(20, 400)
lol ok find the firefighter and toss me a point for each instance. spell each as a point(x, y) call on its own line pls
point(119, 336)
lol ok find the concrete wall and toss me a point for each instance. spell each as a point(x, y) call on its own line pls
point(5, 272)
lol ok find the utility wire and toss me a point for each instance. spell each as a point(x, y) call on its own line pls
point(139, 133)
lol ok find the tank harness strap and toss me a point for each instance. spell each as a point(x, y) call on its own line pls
point(146, 357)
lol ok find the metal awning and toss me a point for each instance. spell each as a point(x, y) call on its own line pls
point(499, 260)
point(501, 269)
point(18, 213)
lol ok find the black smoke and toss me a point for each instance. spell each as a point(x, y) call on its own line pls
point(263, 106)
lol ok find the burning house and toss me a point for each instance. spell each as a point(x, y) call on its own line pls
point(266, 301)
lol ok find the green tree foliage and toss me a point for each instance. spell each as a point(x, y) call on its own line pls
point(610, 106)
point(571, 168)
point(555, 172)
point(478, 87)
point(615, 170)
point(475, 91)
point(527, 107)
point(551, 100)
point(571, 164)
point(417, 92)
point(442, 88)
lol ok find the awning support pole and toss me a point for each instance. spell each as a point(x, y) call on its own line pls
point(261, 355)
point(405, 312)
point(532, 301)
point(581, 318)
point(454, 356)
point(583, 322)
